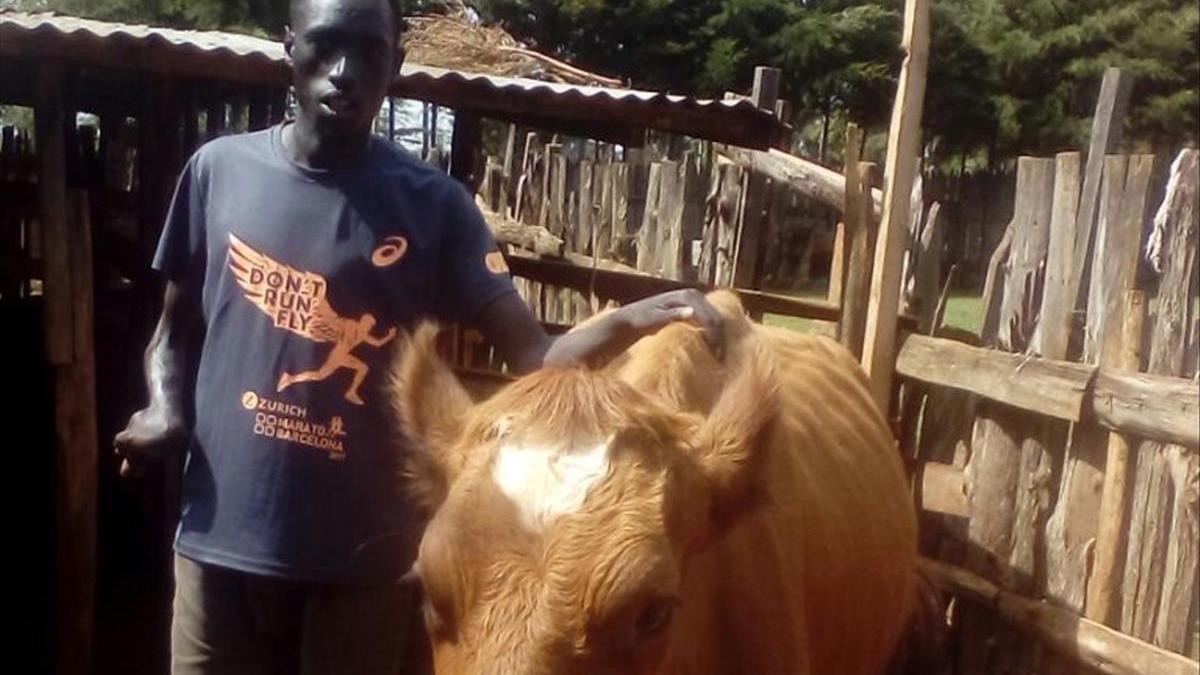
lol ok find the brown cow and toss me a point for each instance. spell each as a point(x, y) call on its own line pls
point(672, 514)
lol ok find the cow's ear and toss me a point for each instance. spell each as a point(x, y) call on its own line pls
point(432, 407)
point(732, 444)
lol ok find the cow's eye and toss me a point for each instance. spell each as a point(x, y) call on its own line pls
point(654, 617)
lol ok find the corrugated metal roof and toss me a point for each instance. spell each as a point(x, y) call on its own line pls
point(249, 59)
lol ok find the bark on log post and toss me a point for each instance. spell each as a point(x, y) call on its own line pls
point(1104, 585)
point(904, 136)
point(1160, 569)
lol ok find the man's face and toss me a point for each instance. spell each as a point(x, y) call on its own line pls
point(344, 57)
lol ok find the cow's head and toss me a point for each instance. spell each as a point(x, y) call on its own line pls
point(566, 508)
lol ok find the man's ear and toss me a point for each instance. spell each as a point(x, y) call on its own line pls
point(289, 41)
point(432, 407)
point(732, 445)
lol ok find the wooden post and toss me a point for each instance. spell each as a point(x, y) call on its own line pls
point(1103, 587)
point(928, 272)
point(765, 93)
point(863, 233)
point(70, 349)
point(904, 142)
point(837, 265)
point(465, 148)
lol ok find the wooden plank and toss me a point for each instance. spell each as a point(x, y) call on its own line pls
point(603, 223)
point(673, 201)
point(67, 288)
point(750, 225)
point(1118, 243)
point(1104, 586)
point(1085, 642)
point(707, 266)
point(1027, 256)
point(1072, 529)
point(1053, 334)
point(509, 169)
point(1107, 127)
point(647, 240)
point(879, 353)
point(693, 181)
point(728, 210)
point(51, 125)
point(584, 232)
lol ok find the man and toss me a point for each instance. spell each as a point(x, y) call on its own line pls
point(301, 253)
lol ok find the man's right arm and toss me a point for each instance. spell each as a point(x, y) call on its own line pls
point(160, 428)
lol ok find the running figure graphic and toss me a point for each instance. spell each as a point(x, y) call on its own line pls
point(295, 301)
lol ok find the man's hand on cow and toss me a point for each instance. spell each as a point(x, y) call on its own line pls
point(688, 304)
point(151, 434)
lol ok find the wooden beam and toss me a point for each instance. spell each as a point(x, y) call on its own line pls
point(533, 237)
point(1083, 641)
point(625, 287)
point(808, 178)
point(904, 141)
point(1054, 388)
point(1105, 583)
point(1146, 406)
point(1154, 407)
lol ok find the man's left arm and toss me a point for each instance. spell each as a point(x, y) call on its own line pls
point(509, 325)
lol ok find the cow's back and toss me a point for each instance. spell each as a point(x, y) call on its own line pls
point(821, 569)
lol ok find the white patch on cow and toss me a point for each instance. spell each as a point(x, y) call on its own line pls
point(546, 482)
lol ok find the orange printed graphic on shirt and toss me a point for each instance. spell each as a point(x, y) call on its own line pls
point(296, 302)
point(496, 263)
point(390, 252)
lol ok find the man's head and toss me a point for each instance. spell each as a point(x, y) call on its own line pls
point(344, 54)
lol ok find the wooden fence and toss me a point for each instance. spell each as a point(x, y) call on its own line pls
point(1059, 463)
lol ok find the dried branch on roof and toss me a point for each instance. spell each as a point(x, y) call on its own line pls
point(457, 41)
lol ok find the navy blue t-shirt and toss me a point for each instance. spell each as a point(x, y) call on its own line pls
point(308, 279)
